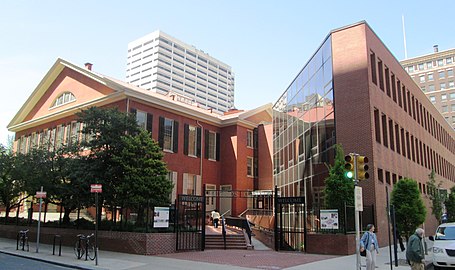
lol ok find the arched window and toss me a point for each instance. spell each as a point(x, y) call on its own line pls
point(64, 98)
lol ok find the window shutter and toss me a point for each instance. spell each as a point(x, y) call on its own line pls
point(217, 146)
point(149, 122)
point(206, 141)
point(185, 138)
point(199, 142)
point(176, 137)
point(133, 111)
point(161, 132)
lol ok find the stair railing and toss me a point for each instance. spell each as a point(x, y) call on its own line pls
point(223, 224)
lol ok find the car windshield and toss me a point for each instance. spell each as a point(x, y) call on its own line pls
point(445, 233)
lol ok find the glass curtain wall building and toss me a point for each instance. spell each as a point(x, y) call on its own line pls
point(303, 139)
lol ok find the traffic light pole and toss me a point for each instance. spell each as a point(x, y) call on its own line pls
point(357, 220)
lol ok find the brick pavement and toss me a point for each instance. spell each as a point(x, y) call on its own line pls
point(266, 259)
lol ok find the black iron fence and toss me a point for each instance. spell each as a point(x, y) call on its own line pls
point(344, 218)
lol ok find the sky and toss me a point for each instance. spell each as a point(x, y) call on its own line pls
point(265, 42)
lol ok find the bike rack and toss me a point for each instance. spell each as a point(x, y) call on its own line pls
point(59, 238)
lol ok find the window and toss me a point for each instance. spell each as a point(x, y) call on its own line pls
point(449, 60)
point(249, 167)
point(431, 87)
point(381, 75)
point(249, 138)
point(192, 140)
point(429, 64)
point(377, 128)
point(452, 107)
point(373, 68)
point(430, 76)
point(441, 74)
point(143, 119)
point(452, 95)
point(442, 86)
point(411, 69)
point(64, 98)
point(443, 97)
point(440, 62)
point(445, 109)
point(172, 176)
point(420, 66)
point(450, 73)
point(433, 99)
point(191, 184)
point(168, 134)
point(211, 145)
point(451, 84)
point(423, 88)
point(384, 130)
point(422, 78)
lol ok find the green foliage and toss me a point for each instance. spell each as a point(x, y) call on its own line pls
point(450, 205)
point(10, 186)
point(143, 181)
point(338, 189)
point(437, 199)
point(410, 211)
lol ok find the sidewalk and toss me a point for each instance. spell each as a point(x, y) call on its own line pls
point(209, 259)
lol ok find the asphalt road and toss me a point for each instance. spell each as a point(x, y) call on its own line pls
point(8, 262)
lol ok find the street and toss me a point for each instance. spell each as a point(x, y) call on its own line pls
point(19, 263)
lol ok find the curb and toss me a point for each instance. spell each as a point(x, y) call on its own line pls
point(46, 261)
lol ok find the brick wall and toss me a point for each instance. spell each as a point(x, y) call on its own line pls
point(334, 244)
point(126, 242)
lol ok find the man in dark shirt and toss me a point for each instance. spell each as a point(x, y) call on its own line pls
point(415, 252)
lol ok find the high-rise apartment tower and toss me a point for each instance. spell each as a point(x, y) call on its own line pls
point(163, 64)
point(434, 74)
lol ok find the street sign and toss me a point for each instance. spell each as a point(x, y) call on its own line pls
point(358, 199)
point(40, 194)
point(96, 188)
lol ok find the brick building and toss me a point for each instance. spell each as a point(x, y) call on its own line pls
point(355, 93)
point(201, 147)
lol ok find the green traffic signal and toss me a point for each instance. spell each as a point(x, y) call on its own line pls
point(349, 175)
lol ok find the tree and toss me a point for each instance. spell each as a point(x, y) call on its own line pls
point(143, 180)
point(437, 199)
point(338, 189)
point(10, 187)
point(450, 205)
point(103, 130)
point(410, 211)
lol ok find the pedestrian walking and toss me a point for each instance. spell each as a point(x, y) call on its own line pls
point(415, 252)
point(369, 242)
point(215, 218)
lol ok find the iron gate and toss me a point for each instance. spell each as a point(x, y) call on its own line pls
point(190, 222)
point(290, 223)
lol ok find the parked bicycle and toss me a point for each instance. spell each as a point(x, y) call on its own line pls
point(85, 246)
point(22, 240)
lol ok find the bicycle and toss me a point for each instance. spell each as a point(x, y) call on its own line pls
point(23, 240)
point(83, 246)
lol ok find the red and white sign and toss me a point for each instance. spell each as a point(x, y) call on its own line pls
point(40, 194)
point(96, 188)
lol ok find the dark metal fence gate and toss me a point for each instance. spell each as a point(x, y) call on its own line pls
point(190, 222)
point(290, 223)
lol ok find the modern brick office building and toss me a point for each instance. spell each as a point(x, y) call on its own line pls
point(201, 147)
point(161, 63)
point(434, 74)
point(355, 93)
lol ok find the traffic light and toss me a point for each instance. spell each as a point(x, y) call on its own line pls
point(349, 166)
point(362, 168)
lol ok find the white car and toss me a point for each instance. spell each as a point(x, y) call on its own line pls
point(444, 246)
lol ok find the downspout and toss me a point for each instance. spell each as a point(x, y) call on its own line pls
point(127, 105)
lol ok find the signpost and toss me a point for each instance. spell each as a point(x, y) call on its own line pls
point(39, 194)
point(96, 188)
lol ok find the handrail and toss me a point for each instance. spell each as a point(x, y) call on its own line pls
point(246, 210)
point(226, 212)
point(241, 222)
point(223, 231)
